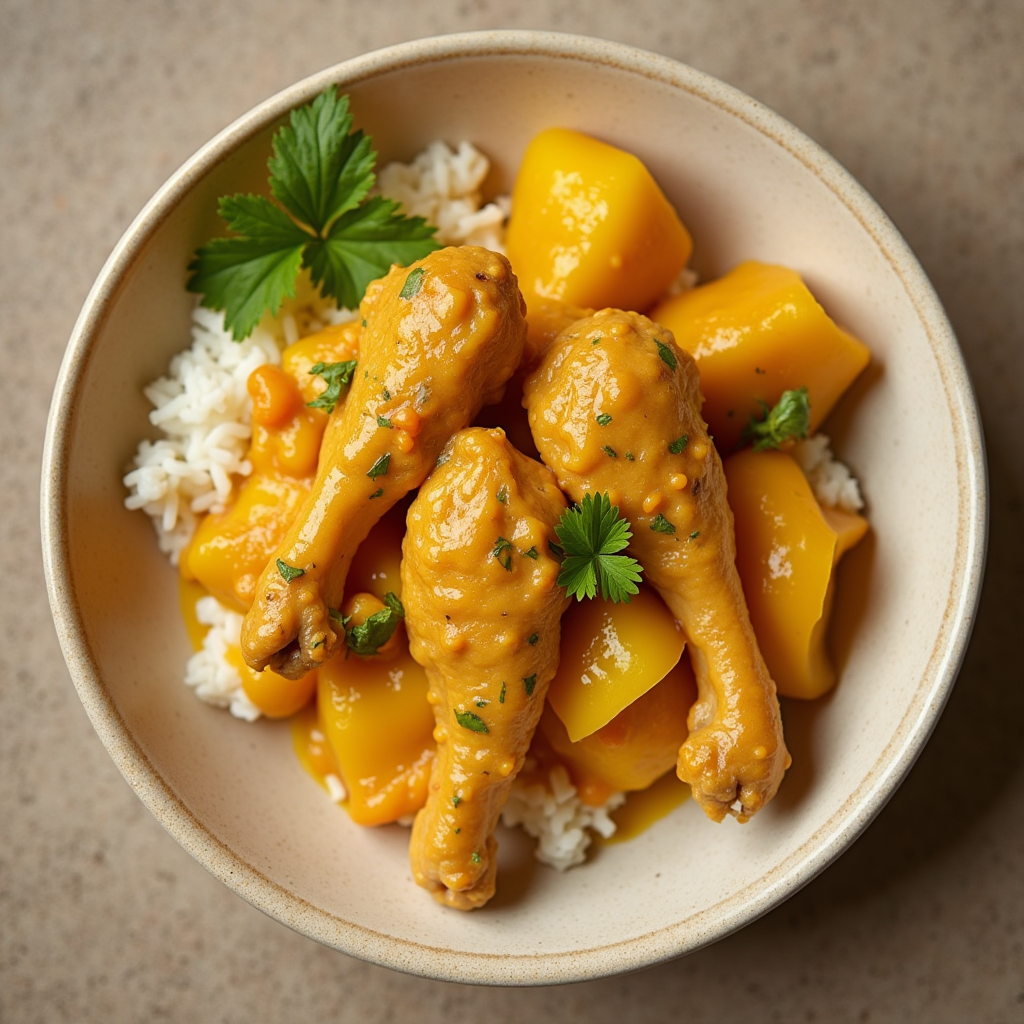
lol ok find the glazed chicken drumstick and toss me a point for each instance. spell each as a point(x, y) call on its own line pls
point(439, 341)
point(482, 612)
point(615, 406)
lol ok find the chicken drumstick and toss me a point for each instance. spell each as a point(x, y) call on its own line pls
point(440, 340)
point(615, 406)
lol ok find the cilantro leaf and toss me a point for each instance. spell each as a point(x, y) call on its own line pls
point(246, 275)
point(368, 638)
point(321, 168)
point(320, 172)
point(337, 375)
point(790, 418)
point(361, 245)
point(470, 721)
point(591, 533)
point(289, 572)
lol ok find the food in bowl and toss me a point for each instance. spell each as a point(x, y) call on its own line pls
point(301, 636)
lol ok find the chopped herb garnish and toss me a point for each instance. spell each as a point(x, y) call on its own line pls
point(379, 493)
point(677, 446)
point(458, 830)
point(532, 553)
point(337, 617)
point(362, 323)
point(319, 643)
point(503, 553)
point(481, 703)
point(503, 495)
point(557, 551)
point(501, 696)
point(695, 535)
point(790, 418)
point(529, 682)
point(630, 456)
point(320, 173)
point(385, 394)
point(474, 723)
point(603, 419)
point(591, 534)
point(338, 376)
point(475, 857)
point(412, 283)
point(668, 357)
point(595, 341)
point(456, 800)
point(533, 639)
point(659, 524)
point(368, 638)
point(383, 421)
point(380, 467)
point(289, 572)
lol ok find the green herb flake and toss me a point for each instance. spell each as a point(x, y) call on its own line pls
point(385, 394)
point(630, 456)
point(610, 452)
point(592, 533)
point(481, 703)
point(695, 535)
point(676, 447)
point(667, 356)
point(338, 376)
point(475, 857)
point(362, 323)
point(380, 467)
point(289, 572)
point(321, 173)
point(502, 495)
point(659, 524)
point(456, 800)
point(556, 550)
point(474, 723)
point(596, 341)
point(791, 418)
point(532, 553)
point(503, 553)
point(533, 639)
point(383, 421)
point(501, 696)
point(412, 284)
point(368, 638)
point(379, 493)
point(603, 419)
point(529, 682)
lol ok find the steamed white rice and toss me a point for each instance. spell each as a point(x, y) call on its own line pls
point(832, 482)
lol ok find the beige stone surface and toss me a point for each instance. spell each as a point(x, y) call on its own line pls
point(104, 918)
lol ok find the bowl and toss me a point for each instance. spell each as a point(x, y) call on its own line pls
point(749, 186)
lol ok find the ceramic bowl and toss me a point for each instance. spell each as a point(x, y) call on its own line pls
point(748, 185)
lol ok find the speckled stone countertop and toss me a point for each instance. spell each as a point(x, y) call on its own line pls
point(104, 918)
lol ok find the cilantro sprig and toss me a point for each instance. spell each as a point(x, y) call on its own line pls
point(790, 418)
point(321, 172)
point(591, 534)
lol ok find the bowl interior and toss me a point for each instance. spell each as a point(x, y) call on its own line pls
point(748, 186)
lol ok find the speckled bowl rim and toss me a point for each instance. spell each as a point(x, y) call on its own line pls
point(695, 931)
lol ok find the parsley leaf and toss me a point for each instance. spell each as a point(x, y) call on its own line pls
point(380, 467)
point(337, 375)
point(603, 419)
point(667, 356)
point(676, 447)
point(591, 533)
point(503, 553)
point(320, 172)
point(289, 572)
point(368, 638)
point(790, 418)
point(470, 721)
point(529, 682)
point(659, 524)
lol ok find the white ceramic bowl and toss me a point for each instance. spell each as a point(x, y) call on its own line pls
point(749, 185)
